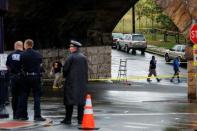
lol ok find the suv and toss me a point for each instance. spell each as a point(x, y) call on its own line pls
point(175, 51)
point(116, 37)
point(132, 41)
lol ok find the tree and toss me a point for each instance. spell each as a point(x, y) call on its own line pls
point(139, 11)
point(166, 22)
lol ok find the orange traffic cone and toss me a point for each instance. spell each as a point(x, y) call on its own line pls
point(88, 118)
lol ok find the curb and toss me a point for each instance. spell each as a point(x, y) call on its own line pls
point(156, 50)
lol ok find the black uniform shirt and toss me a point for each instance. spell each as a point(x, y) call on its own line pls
point(31, 61)
point(14, 62)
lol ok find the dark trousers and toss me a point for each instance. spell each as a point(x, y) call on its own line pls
point(2, 91)
point(16, 86)
point(152, 72)
point(176, 74)
point(69, 112)
point(34, 83)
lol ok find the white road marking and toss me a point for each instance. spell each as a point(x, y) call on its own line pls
point(137, 127)
point(133, 114)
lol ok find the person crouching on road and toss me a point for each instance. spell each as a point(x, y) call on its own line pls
point(57, 70)
point(152, 69)
point(13, 64)
point(75, 72)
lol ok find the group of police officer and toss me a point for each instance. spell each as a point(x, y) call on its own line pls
point(25, 75)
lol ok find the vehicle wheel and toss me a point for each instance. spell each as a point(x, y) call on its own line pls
point(167, 58)
point(127, 49)
point(133, 51)
point(118, 47)
point(142, 52)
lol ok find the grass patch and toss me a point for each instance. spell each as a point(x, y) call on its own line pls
point(158, 40)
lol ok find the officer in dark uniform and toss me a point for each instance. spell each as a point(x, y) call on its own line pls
point(31, 62)
point(13, 64)
point(75, 72)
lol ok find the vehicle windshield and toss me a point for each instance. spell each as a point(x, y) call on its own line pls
point(178, 47)
point(138, 38)
point(118, 35)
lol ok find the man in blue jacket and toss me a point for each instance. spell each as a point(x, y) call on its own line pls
point(176, 64)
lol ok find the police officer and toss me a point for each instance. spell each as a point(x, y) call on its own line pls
point(31, 62)
point(13, 64)
point(75, 72)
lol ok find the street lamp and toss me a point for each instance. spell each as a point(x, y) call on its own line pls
point(3, 71)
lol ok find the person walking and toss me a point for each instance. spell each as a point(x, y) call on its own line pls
point(13, 64)
point(152, 69)
point(75, 72)
point(57, 69)
point(176, 64)
point(31, 62)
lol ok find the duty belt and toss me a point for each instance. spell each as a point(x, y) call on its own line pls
point(32, 74)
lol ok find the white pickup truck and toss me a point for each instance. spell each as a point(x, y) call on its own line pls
point(132, 41)
point(175, 51)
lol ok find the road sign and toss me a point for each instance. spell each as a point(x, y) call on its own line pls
point(193, 33)
point(195, 54)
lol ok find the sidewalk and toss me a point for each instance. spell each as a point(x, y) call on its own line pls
point(156, 50)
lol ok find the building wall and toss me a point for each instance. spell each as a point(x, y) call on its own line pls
point(99, 60)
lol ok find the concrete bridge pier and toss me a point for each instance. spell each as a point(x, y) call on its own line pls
point(183, 13)
point(3, 87)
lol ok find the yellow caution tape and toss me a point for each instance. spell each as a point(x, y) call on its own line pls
point(140, 77)
point(194, 47)
point(194, 53)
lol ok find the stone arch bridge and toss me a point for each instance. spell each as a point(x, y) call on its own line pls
point(92, 21)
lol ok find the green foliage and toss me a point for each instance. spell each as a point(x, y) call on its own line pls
point(148, 15)
point(166, 22)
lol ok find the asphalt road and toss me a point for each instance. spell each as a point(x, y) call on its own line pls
point(138, 65)
point(135, 107)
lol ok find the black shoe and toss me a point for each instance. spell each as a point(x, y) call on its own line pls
point(16, 118)
point(39, 119)
point(79, 122)
point(67, 122)
point(23, 118)
point(158, 80)
point(171, 80)
point(148, 80)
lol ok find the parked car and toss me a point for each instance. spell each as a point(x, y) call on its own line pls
point(132, 41)
point(116, 37)
point(175, 51)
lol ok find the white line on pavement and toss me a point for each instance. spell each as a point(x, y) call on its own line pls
point(133, 114)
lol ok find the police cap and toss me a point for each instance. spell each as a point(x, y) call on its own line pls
point(75, 43)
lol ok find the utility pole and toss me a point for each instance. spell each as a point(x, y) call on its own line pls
point(133, 18)
point(123, 25)
point(192, 76)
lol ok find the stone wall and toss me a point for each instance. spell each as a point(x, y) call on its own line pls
point(183, 13)
point(99, 60)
